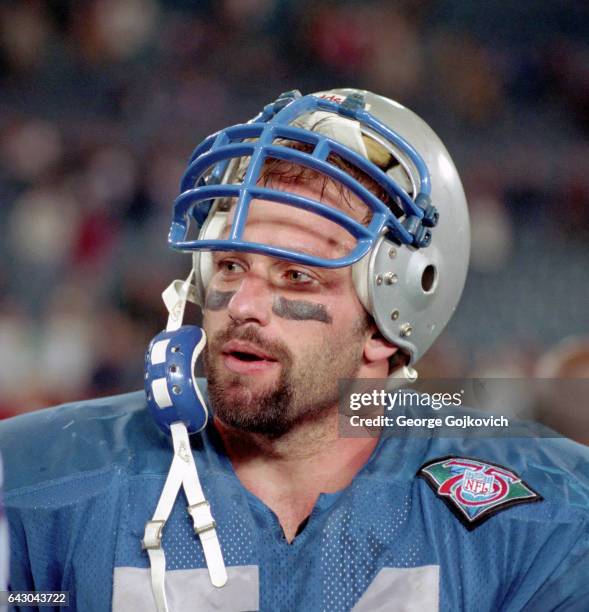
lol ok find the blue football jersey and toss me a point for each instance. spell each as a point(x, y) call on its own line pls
point(427, 524)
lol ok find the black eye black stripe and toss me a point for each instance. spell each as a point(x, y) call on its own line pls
point(217, 300)
point(294, 310)
point(300, 310)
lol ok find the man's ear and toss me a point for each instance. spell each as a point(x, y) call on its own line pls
point(377, 347)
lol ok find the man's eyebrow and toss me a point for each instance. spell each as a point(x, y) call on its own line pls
point(326, 273)
point(218, 254)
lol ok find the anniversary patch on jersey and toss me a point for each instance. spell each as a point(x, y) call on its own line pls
point(475, 490)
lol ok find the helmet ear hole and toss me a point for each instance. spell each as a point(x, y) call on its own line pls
point(428, 278)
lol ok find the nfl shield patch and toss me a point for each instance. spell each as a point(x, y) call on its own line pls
point(473, 489)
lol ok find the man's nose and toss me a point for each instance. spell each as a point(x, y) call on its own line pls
point(252, 302)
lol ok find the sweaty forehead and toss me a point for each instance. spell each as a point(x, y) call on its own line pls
point(295, 228)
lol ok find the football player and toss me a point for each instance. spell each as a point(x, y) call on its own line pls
point(330, 241)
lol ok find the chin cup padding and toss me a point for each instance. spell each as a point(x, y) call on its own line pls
point(170, 384)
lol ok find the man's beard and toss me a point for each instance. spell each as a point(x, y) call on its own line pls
point(302, 392)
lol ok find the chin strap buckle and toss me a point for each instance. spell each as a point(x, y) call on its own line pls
point(202, 519)
point(152, 536)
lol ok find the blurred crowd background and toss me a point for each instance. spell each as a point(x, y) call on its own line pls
point(102, 101)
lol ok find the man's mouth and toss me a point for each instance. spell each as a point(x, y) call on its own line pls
point(246, 358)
point(245, 351)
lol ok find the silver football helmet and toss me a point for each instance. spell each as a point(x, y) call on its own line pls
point(409, 267)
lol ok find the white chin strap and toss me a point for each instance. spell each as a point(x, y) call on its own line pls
point(175, 297)
point(182, 474)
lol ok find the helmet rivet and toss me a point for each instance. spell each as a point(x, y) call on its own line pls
point(392, 253)
point(390, 278)
point(379, 279)
point(406, 329)
point(395, 315)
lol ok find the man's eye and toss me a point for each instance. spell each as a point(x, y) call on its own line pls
point(230, 267)
point(298, 277)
